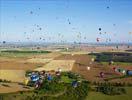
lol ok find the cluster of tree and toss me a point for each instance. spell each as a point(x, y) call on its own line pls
point(51, 87)
point(70, 93)
point(111, 90)
point(117, 84)
point(78, 93)
point(5, 81)
point(116, 88)
point(1, 97)
point(56, 85)
point(17, 51)
point(112, 56)
point(73, 75)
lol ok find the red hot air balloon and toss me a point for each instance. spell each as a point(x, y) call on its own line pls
point(97, 39)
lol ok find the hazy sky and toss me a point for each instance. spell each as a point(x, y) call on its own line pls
point(66, 20)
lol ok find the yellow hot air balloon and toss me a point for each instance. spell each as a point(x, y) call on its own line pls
point(26, 81)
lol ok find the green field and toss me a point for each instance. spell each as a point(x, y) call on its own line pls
point(18, 53)
point(101, 96)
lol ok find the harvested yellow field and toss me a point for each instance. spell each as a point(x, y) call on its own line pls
point(65, 65)
point(12, 75)
point(47, 56)
point(38, 60)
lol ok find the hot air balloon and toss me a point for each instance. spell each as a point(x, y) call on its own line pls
point(99, 29)
point(69, 21)
point(40, 28)
point(4, 42)
point(117, 47)
point(114, 24)
point(101, 74)
point(108, 7)
point(130, 33)
point(100, 33)
point(97, 39)
point(31, 12)
point(88, 68)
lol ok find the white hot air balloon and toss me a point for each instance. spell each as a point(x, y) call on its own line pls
point(88, 68)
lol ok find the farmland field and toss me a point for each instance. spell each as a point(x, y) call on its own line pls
point(73, 61)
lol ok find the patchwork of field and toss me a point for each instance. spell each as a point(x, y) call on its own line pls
point(14, 68)
point(72, 61)
point(27, 63)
